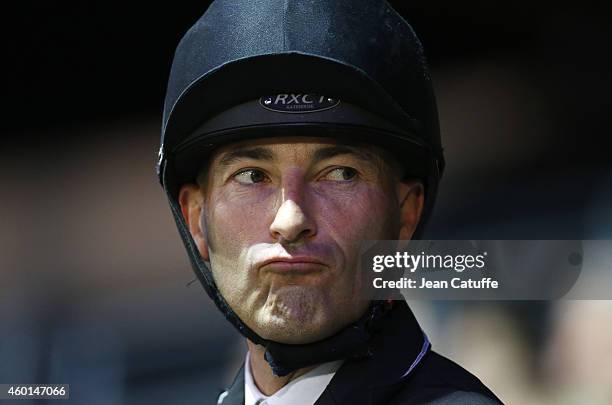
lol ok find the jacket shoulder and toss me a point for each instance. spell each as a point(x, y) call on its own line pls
point(440, 381)
point(464, 397)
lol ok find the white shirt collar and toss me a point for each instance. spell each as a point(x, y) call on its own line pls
point(304, 390)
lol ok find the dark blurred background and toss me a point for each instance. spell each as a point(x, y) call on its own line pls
point(93, 276)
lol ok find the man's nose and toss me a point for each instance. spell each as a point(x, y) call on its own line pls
point(292, 222)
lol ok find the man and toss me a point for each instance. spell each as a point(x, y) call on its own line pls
point(292, 132)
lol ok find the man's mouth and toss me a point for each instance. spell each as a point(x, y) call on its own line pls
point(293, 264)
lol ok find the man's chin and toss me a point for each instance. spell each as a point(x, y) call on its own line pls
point(288, 332)
point(295, 315)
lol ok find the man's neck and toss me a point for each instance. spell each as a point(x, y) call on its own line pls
point(264, 378)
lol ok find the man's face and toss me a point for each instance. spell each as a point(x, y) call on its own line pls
point(281, 222)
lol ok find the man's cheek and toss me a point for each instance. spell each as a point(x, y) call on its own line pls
point(358, 213)
point(234, 228)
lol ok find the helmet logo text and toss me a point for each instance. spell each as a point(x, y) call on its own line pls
point(298, 103)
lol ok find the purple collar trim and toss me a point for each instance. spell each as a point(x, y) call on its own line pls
point(417, 360)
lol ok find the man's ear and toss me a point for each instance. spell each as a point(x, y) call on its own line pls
point(191, 201)
point(411, 195)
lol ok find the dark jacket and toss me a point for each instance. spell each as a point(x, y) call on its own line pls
point(401, 370)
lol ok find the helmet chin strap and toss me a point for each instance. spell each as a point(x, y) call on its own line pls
point(350, 342)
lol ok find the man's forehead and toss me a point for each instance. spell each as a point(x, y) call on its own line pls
point(275, 149)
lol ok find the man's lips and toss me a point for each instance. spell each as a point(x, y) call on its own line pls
point(292, 264)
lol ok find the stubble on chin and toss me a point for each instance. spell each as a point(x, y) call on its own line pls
point(293, 314)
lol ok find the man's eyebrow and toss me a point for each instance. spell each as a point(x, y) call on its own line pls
point(336, 150)
point(256, 153)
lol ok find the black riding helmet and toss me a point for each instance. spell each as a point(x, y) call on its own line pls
point(348, 69)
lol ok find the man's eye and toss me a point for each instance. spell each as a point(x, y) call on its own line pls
point(341, 174)
point(250, 176)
